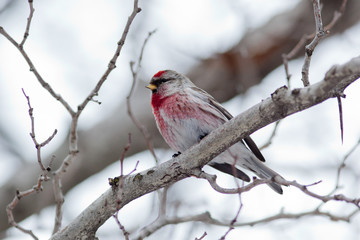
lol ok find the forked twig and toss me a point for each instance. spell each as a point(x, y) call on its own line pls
point(38, 145)
point(309, 49)
point(44, 177)
point(307, 37)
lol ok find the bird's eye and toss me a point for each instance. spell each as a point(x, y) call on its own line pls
point(161, 80)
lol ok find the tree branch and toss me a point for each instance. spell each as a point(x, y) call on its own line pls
point(207, 218)
point(282, 103)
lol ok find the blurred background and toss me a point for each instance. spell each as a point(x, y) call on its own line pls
point(232, 49)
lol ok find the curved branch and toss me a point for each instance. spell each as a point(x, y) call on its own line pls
point(282, 103)
point(207, 218)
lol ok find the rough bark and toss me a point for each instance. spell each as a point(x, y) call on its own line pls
point(282, 103)
point(224, 76)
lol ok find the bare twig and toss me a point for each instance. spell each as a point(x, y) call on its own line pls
point(113, 60)
point(269, 141)
point(139, 125)
point(309, 49)
point(147, 230)
point(233, 221)
point(121, 177)
point(43, 83)
point(26, 34)
point(122, 228)
point(119, 183)
point(150, 229)
point(162, 201)
point(342, 166)
point(11, 206)
point(38, 146)
point(282, 215)
point(323, 198)
point(123, 153)
point(207, 218)
point(202, 237)
point(212, 181)
point(304, 188)
point(307, 37)
point(44, 177)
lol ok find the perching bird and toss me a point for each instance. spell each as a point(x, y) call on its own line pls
point(185, 114)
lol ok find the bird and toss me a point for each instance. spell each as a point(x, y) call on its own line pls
point(185, 114)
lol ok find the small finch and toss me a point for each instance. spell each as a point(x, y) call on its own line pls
point(185, 114)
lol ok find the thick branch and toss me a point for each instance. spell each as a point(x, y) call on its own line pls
point(282, 103)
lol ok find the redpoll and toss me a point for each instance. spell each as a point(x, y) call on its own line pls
point(185, 114)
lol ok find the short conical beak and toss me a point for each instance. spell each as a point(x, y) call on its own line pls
point(152, 87)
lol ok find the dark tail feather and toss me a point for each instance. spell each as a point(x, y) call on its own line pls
point(230, 169)
point(263, 171)
point(276, 187)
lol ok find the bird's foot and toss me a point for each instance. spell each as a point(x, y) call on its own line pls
point(176, 154)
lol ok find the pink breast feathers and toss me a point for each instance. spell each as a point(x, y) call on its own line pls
point(157, 101)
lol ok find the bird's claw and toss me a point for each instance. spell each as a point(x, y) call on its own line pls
point(176, 154)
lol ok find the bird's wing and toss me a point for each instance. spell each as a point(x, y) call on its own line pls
point(208, 98)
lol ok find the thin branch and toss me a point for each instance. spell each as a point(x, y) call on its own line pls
point(38, 145)
point(11, 206)
point(139, 125)
point(27, 30)
point(309, 49)
point(162, 201)
point(207, 218)
point(282, 215)
point(202, 237)
point(148, 230)
point(212, 181)
point(307, 37)
point(233, 221)
point(122, 228)
point(119, 183)
point(123, 153)
point(342, 166)
point(273, 134)
point(59, 201)
point(43, 83)
point(121, 177)
point(44, 177)
point(323, 198)
point(111, 65)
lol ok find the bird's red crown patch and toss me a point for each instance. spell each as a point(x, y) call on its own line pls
point(159, 74)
